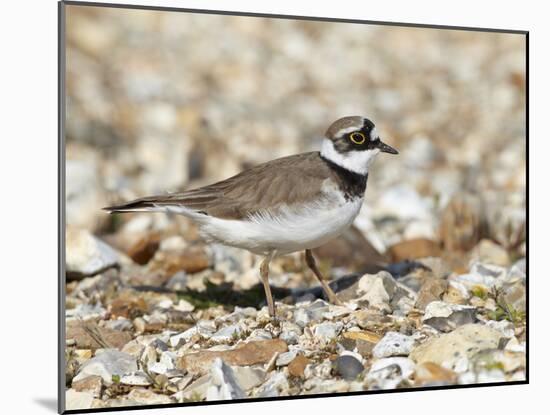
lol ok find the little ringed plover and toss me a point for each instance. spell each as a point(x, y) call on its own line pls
point(286, 205)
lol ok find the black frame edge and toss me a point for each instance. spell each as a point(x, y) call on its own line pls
point(291, 17)
point(61, 109)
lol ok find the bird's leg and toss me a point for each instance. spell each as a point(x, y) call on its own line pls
point(264, 274)
point(310, 261)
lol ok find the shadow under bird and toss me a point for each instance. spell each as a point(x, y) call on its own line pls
point(286, 205)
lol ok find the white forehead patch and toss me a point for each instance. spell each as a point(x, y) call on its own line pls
point(373, 134)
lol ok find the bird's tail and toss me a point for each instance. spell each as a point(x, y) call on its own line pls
point(163, 203)
point(144, 204)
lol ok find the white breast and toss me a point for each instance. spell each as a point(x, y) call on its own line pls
point(291, 229)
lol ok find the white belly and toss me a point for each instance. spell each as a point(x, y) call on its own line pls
point(290, 231)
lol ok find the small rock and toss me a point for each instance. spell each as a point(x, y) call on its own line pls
point(462, 223)
point(91, 384)
point(120, 324)
point(248, 377)
point(301, 317)
point(87, 255)
point(276, 385)
point(297, 366)
point(192, 259)
point(486, 251)
point(128, 305)
point(364, 341)
point(377, 289)
point(228, 333)
point(223, 384)
point(351, 250)
point(414, 249)
point(144, 249)
point(393, 344)
point(390, 373)
point(261, 334)
point(194, 391)
point(106, 364)
point(348, 367)
point(246, 354)
point(285, 358)
point(136, 379)
point(148, 397)
point(327, 331)
point(432, 374)
point(432, 290)
point(85, 340)
point(464, 342)
point(204, 328)
point(447, 317)
point(85, 312)
point(78, 400)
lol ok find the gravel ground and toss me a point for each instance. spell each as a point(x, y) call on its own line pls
point(432, 275)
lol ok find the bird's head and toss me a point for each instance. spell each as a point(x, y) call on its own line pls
point(353, 143)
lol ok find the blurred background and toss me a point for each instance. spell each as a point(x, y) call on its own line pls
point(162, 101)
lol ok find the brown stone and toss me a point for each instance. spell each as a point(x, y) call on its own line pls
point(414, 249)
point(128, 305)
point(462, 223)
point(85, 340)
point(364, 340)
point(91, 384)
point(432, 290)
point(246, 354)
point(193, 259)
point(351, 250)
point(430, 372)
point(144, 249)
point(298, 365)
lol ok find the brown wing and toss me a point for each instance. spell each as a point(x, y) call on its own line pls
point(287, 180)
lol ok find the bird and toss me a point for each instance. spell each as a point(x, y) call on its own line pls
point(286, 205)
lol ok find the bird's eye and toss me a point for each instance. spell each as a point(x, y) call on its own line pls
point(357, 138)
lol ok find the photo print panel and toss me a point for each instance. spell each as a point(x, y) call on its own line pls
point(265, 207)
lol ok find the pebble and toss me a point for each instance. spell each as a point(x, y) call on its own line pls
point(297, 367)
point(106, 364)
point(245, 354)
point(327, 331)
point(389, 373)
point(78, 400)
point(223, 384)
point(136, 379)
point(432, 374)
point(448, 349)
point(285, 358)
point(87, 255)
point(432, 290)
point(228, 333)
point(91, 384)
point(377, 289)
point(273, 387)
point(447, 317)
point(148, 397)
point(393, 344)
point(248, 377)
point(204, 328)
point(348, 367)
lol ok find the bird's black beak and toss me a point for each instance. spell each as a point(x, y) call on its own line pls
point(384, 148)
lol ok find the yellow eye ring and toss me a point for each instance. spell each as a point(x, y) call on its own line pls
point(357, 138)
